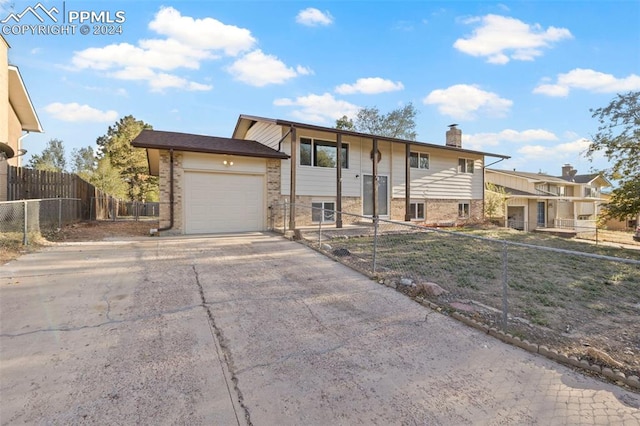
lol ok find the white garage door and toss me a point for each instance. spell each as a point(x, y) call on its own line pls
point(217, 202)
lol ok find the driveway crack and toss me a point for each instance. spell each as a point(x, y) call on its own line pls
point(223, 352)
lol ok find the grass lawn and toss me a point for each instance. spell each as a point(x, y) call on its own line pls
point(567, 301)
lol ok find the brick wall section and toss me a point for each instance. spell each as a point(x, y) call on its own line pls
point(178, 182)
point(443, 211)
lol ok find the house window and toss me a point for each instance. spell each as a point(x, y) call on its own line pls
point(419, 160)
point(323, 211)
point(463, 210)
point(417, 211)
point(320, 153)
point(590, 192)
point(465, 165)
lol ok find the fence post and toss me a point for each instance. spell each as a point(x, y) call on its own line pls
point(25, 241)
point(59, 213)
point(505, 282)
point(375, 242)
point(319, 226)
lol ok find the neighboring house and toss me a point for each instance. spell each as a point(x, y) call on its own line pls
point(219, 184)
point(628, 224)
point(17, 115)
point(538, 200)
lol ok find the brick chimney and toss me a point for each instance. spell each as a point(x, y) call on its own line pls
point(454, 136)
point(569, 173)
point(566, 170)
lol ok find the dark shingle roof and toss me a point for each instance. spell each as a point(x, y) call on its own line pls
point(580, 178)
point(156, 139)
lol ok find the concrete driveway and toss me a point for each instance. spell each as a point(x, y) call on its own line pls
point(255, 329)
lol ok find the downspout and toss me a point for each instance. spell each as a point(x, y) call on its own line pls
point(19, 162)
point(166, 228)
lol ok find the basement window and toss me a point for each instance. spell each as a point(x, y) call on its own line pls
point(319, 153)
point(323, 211)
point(416, 211)
point(463, 210)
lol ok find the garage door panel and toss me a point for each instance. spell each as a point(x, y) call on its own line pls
point(216, 202)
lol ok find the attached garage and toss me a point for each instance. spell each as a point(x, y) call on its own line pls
point(211, 184)
point(219, 202)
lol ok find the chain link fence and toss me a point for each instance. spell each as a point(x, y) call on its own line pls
point(532, 286)
point(20, 219)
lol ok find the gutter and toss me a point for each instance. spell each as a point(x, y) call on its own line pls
point(171, 208)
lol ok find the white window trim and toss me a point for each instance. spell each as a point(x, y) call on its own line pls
point(468, 204)
point(415, 210)
point(421, 154)
point(323, 212)
point(466, 165)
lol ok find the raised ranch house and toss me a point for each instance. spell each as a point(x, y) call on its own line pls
point(540, 201)
point(17, 115)
point(213, 184)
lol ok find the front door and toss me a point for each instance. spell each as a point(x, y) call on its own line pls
point(542, 217)
point(367, 202)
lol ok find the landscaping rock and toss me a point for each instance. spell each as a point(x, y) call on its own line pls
point(431, 289)
point(406, 282)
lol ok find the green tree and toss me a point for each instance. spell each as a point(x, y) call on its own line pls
point(52, 158)
point(107, 178)
point(618, 139)
point(495, 198)
point(345, 123)
point(130, 162)
point(83, 162)
point(399, 123)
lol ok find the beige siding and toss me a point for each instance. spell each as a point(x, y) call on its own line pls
point(514, 182)
point(266, 133)
point(214, 162)
point(441, 180)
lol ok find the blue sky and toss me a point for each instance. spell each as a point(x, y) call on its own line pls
point(518, 77)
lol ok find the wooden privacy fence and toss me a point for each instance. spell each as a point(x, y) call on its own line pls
point(30, 184)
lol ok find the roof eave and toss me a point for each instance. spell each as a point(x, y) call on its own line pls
point(244, 118)
point(21, 102)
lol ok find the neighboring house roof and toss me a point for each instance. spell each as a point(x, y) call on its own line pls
point(246, 121)
point(21, 102)
point(534, 177)
point(155, 140)
point(587, 179)
point(512, 191)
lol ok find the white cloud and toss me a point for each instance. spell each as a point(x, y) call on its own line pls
point(589, 80)
point(535, 151)
point(159, 81)
point(566, 151)
point(466, 102)
point(205, 34)
point(75, 112)
point(369, 86)
point(479, 141)
point(500, 39)
point(313, 17)
point(319, 108)
point(578, 146)
point(257, 69)
point(188, 43)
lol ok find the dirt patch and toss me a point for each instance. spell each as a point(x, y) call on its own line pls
point(101, 230)
point(12, 247)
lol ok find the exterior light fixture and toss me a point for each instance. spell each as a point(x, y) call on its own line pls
point(227, 163)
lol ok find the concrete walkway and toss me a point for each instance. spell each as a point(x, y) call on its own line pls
point(254, 329)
